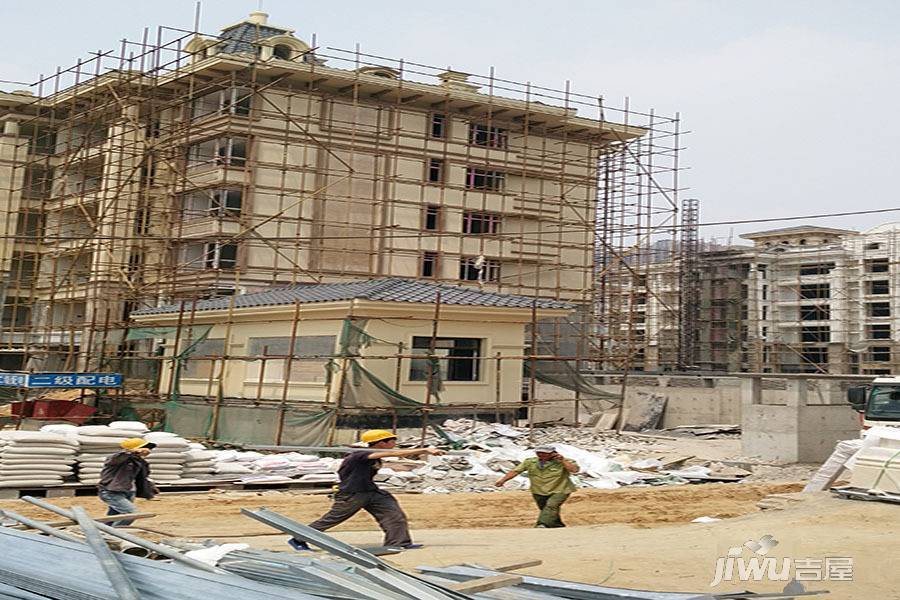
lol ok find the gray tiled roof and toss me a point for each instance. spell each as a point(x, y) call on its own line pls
point(379, 290)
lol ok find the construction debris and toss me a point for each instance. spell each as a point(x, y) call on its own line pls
point(705, 431)
point(833, 467)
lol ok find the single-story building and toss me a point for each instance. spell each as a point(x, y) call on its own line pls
point(307, 342)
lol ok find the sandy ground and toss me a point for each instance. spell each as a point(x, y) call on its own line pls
point(632, 537)
point(218, 514)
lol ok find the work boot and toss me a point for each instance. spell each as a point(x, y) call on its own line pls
point(299, 545)
point(409, 546)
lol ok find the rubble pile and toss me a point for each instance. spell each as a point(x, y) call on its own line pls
point(493, 449)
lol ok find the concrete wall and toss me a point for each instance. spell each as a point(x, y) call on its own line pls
point(690, 400)
point(800, 430)
point(700, 400)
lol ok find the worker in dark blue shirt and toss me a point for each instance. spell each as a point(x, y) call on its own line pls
point(357, 491)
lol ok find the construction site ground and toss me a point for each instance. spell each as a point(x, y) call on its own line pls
point(631, 537)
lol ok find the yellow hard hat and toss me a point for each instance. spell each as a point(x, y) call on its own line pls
point(133, 443)
point(376, 435)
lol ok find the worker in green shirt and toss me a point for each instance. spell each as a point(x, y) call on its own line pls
point(551, 483)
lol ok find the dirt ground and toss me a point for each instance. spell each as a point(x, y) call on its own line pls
point(218, 514)
point(631, 537)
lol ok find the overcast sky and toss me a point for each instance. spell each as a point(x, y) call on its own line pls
point(790, 104)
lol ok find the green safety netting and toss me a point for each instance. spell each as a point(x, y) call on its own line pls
point(564, 336)
point(189, 420)
point(246, 424)
point(249, 424)
point(194, 336)
point(361, 387)
point(307, 429)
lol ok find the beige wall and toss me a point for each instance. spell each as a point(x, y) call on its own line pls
point(241, 379)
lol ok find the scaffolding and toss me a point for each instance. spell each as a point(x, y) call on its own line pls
point(689, 300)
point(189, 166)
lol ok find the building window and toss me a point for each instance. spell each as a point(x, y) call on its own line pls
point(880, 331)
point(815, 334)
point(816, 269)
point(481, 179)
point(879, 287)
point(765, 292)
point(201, 204)
point(218, 255)
point(141, 224)
point(41, 138)
point(765, 313)
point(810, 291)
point(16, 312)
point(433, 217)
point(456, 359)
point(234, 101)
point(815, 313)
point(229, 151)
point(877, 265)
point(201, 362)
point(307, 363)
point(879, 354)
point(38, 182)
point(476, 222)
point(816, 356)
point(873, 246)
point(438, 126)
point(435, 170)
point(283, 52)
point(879, 309)
point(483, 135)
point(30, 224)
point(479, 269)
point(24, 267)
point(429, 264)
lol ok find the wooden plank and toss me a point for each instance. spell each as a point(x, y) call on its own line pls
point(668, 464)
point(484, 584)
point(104, 519)
point(519, 565)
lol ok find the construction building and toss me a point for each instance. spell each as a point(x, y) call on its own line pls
point(193, 167)
point(800, 299)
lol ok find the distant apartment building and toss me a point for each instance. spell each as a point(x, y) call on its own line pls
point(800, 299)
point(222, 165)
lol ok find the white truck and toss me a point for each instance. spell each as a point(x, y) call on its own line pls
point(878, 404)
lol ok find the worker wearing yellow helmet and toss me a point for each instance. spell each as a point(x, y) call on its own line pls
point(125, 475)
point(357, 491)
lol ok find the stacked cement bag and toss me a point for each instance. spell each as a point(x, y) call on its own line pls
point(35, 458)
point(137, 428)
point(96, 444)
point(199, 462)
point(167, 460)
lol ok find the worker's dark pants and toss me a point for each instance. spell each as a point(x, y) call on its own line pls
point(549, 507)
point(379, 504)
